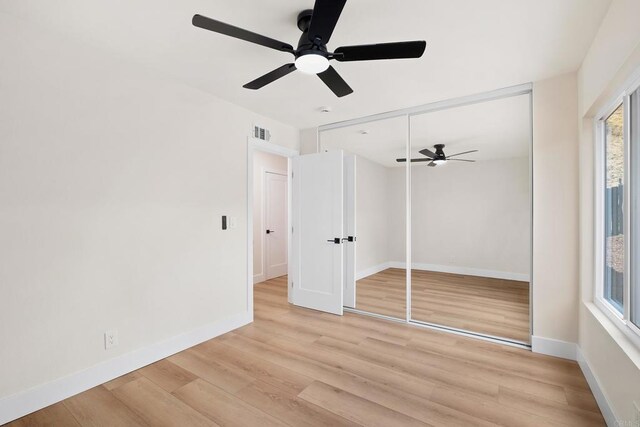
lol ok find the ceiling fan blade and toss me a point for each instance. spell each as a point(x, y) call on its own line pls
point(427, 152)
point(270, 77)
point(324, 19)
point(239, 33)
point(432, 164)
point(369, 52)
point(460, 154)
point(332, 79)
point(414, 160)
point(461, 160)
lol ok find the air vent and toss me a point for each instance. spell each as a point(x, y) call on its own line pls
point(261, 133)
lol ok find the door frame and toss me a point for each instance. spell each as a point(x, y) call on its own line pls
point(264, 172)
point(350, 225)
point(253, 145)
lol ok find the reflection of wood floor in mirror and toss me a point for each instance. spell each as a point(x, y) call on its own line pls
point(479, 304)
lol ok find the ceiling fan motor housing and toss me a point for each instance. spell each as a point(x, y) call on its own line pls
point(306, 46)
point(439, 152)
point(304, 19)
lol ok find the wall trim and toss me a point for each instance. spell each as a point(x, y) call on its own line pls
point(467, 271)
point(258, 278)
point(477, 98)
point(552, 347)
point(20, 404)
point(598, 393)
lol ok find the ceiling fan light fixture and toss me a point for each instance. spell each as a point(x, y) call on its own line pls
point(312, 63)
point(439, 162)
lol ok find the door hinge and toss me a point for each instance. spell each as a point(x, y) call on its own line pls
point(292, 283)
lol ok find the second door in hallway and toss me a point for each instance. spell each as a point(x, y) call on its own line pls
point(275, 211)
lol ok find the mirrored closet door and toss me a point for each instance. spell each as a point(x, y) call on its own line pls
point(375, 214)
point(471, 218)
point(437, 201)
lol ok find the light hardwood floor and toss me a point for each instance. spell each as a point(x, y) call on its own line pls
point(300, 367)
point(478, 304)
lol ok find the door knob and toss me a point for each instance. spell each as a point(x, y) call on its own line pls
point(270, 231)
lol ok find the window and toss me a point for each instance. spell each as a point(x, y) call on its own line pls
point(618, 213)
point(613, 209)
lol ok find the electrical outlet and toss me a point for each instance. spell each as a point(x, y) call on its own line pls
point(110, 339)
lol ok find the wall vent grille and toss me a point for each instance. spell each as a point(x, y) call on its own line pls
point(261, 133)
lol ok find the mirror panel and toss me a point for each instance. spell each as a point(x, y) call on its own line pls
point(380, 212)
point(471, 218)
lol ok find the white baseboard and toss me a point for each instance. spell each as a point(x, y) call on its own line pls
point(551, 347)
point(258, 278)
point(594, 385)
point(372, 270)
point(467, 271)
point(23, 403)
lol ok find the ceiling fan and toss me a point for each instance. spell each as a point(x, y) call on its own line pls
point(438, 158)
point(312, 55)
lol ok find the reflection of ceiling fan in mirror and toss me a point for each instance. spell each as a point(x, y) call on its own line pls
point(438, 158)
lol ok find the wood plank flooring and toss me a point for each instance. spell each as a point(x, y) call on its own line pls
point(478, 304)
point(300, 367)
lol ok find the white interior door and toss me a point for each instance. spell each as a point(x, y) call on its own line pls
point(317, 186)
point(350, 244)
point(275, 221)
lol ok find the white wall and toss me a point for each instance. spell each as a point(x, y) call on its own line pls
point(473, 216)
point(478, 225)
point(397, 206)
point(309, 141)
point(612, 56)
point(112, 184)
point(262, 162)
point(555, 209)
point(372, 216)
point(612, 358)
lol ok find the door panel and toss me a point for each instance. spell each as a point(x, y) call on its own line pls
point(275, 225)
point(317, 216)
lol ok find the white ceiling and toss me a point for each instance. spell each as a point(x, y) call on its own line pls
point(497, 129)
point(472, 46)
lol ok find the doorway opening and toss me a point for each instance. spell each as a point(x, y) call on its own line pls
point(268, 214)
